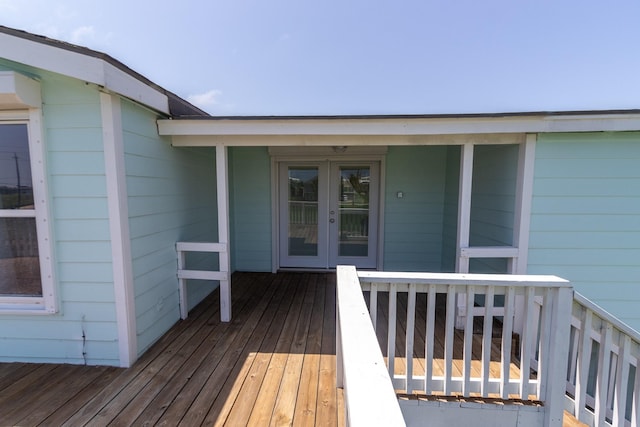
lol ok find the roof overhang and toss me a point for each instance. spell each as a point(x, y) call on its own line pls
point(387, 130)
point(34, 52)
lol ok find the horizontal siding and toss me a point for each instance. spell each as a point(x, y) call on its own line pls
point(413, 224)
point(171, 198)
point(250, 208)
point(450, 212)
point(493, 196)
point(585, 220)
point(85, 330)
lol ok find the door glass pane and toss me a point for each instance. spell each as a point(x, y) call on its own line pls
point(303, 211)
point(353, 239)
point(19, 262)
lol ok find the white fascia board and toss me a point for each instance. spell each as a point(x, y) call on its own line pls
point(125, 84)
point(82, 67)
point(18, 91)
point(402, 126)
point(346, 140)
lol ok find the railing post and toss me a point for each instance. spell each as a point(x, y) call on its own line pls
point(556, 356)
point(223, 231)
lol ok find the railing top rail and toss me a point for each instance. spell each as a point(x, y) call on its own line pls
point(369, 393)
point(464, 279)
point(605, 315)
point(201, 247)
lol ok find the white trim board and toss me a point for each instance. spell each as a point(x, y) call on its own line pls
point(18, 91)
point(322, 140)
point(119, 227)
point(83, 67)
point(402, 126)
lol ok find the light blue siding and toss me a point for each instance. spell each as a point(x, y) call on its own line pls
point(450, 217)
point(171, 198)
point(585, 220)
point(495, 171)
point(84, 331)
point(493, 195)
point(414, 223)
point(250, 208)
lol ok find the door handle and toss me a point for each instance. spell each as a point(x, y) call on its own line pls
point(332, 220)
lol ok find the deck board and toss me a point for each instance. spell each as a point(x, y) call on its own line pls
point(273, 364)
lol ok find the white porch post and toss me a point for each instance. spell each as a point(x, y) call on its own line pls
point(522, 219)
point(223, 231)
point(464, 224)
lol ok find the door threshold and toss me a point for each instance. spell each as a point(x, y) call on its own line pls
point(317, 270)
point(305, 270)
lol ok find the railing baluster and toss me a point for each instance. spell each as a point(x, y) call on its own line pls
point(391, 329)
point(635, 410)
point(544, 345)
point(622, 381)
point(602, 381)
point(468, 342)
point(573, 356)
point(182, 286)
point(584, 359)
point(373, 305)
point(528, 334)
point(428, 340)
point(507, 337)
point(449, 336)
point(410, 332)
point(487, 337)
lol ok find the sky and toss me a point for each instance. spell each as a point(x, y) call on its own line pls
point(343, 57)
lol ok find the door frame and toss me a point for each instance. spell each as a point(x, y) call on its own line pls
point(331, 154)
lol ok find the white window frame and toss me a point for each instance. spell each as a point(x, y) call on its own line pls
point(47, 303)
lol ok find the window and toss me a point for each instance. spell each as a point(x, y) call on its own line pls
point(24, 252)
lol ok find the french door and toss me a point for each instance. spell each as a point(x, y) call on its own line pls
point(328, 213)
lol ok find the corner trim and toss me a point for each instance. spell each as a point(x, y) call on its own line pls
point(119, 227)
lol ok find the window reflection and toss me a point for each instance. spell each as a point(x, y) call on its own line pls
point(303, 211)
point(354, 211)
point(16, 188)
point(19, 262)
point(19, 257)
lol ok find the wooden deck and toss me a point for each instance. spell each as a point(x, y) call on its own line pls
point(274, 364)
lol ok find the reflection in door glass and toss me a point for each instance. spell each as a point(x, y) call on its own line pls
point(303, 211)
point(354, 211)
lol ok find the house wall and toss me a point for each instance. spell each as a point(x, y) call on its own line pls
point(495, 170)
point(84, 330)
point(250, 208)
point(171, 198)
point(413, 224)
point(585, 219)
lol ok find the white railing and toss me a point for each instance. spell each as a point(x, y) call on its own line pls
point(547, 313)
point(222, 275)
point(303, 212)
point(603, 379)
point(368, 393)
